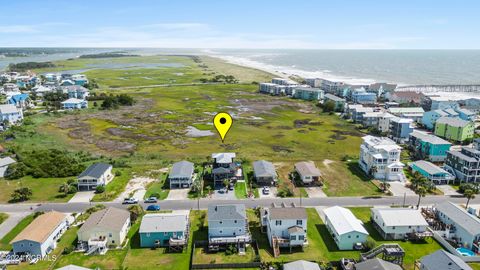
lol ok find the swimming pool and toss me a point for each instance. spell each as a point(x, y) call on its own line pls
point(465, 252)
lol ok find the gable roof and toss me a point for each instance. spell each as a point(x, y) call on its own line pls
point(334, 98)
point(73, 267)
point(6, 161)
point(343, 221)
point(181, 169)
point(442, 260)
point(400, 216)
point(110, 218)
point(75, 88)
point(301, 265)
point(461, 217)
point(262, 168)
point(95, 170)
point(377, 264)
point(223, 157)
point(41, 227)
point(226, 212)
point(453, 121)
point(287, 213)
point(171, 222)
point(307, 168)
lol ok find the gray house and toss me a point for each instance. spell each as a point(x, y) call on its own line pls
point(264, 173)
point(98, 174)
point(378, 264)
point(181, 175)
point(227, 224)
point(224, 167)
point(441, 259)
point(301, 265)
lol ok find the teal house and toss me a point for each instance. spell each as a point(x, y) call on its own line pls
point(432, 172)
point(164, 230)
point(429, 146)
point(307, 93)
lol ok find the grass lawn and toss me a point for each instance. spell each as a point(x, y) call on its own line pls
point(5, 242)
point(159, 187)
point(240, 190)
point(43, 189)
point(3, 217)
point(202, 256)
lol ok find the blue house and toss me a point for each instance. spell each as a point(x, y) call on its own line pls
point(74, 103)
point(164, 230)
point(430, 118)
point(400, 129)
point(20, 100)
point(361, 96)
point(466, 115)
point(432, 172)
point(429, 146)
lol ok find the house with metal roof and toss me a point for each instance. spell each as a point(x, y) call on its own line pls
point(415, 113)
point(181, 175)
point(74, 103)
point(227, 223)
point(73, 267)
point(465, 226)
point(307, 171)
point(20, 101)
point(346, 229)
point(98, 174)
point(103, 229)
point(440, 260)
point(40, 237)
point(286, 226)
point(4, 163)
point(10, 113)
point(399, 223)
point(264, 173)
point(301, 265)
point(428, 146)
point(432, 172)
point(377, 264)
point(454, 128)
point(76, 91)
point(165, 230)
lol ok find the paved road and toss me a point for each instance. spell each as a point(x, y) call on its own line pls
point(250, 203)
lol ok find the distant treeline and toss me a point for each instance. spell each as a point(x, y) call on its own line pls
point(107, 55)
point(29, 65)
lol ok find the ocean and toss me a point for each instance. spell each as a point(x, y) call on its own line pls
point(404, 67)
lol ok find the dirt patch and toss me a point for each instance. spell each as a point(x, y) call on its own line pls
point(327, 162)
point(337, 136)
point(278, 136)
point(281, 148)
point(348, 133)
point(110, 145)
point(131, 135)
point(299, 123)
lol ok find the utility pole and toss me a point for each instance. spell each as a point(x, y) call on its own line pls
point(404, 198)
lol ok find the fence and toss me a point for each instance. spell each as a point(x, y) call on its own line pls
point(452, 250)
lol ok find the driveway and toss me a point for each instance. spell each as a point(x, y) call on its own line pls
point(315, 192)
point(230, 195)
point(399, 189)
point(137, 186)
point(448, 190)
point(178, 194)
point(82, 196)
point(272, 194)
point(12, 221)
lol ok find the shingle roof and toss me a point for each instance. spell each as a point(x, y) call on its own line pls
point(442, 260)
point(343, 221)
point(452, 121)
point(226, 212)
point(301, 265)
point(181, 169)
point(95, 170)
point(461, 217)
point(307, 168)
point(287, 213)
point(76, 88)
point(400, 216)
point(377, 264)
point(171, 222)
point(262, 168)
point(110, 218)
point(41, 227)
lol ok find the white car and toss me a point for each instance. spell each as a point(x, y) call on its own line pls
point(130, 201)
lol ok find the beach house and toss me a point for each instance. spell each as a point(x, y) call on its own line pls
point(399, 223)
point(165, 230)
point(79, 79)
point(432, 172)
point(181, 175)
point(307, 171)
point(308, 93)
point(454, 129)
point(301, 265)
point(414, 113)
point(440, 103)
point(404, 97)
point(264, 173)
point(380, 158)
point(465, 163)
point(224, 168)
point(347, 230)
point(103, 229)
point(338, 101)
point(40, 237)
point(74, 103)
point(10, 113)
point(227, 224)
point(98, 174)
point(361, 96)
point(377, 264)
point(430, 118)
point(428, 146)
point(400, 129)
point(442, 259)
point(21, 101)
point(76, 91)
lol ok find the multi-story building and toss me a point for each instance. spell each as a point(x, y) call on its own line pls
point(10, 113)
point(314, 82)
point(331, 86)
point(428, 146)
point(361, 96)
point(267, 88)
point(398, 223)
point(415, 113)
point(400, 129)
point(432, 172)
point(227, 224)
point(430, 118)
point(308, 93)
point(384, 122)
point(338, 101)
point(440, 103)
point(454, 129)
point(380, 158)
point(181, 174)
point(465, 163)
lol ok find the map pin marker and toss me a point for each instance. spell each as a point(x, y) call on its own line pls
point(222, 122)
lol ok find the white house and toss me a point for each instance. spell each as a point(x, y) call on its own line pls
point(399, 223)
point(105, 228)
point(40, 237)
point(10, 113)
point(285, 226)
point(4, 163)
point(98, 174)
point(74, 103)
point(380, 157)
point(345, 228)
point(227, 224)
point(307, 171)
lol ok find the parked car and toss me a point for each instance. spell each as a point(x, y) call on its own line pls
point(266, 190)
point(153, 207)
point(130, 201)
point(231, 186)
point(151, 200)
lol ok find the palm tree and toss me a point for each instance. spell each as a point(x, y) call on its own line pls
point(65, 188)
point(469, 194)
point(421, 191)
point(226, 182)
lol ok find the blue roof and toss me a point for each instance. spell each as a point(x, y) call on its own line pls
point(17, 98)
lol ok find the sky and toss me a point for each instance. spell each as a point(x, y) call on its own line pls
point(260, 24)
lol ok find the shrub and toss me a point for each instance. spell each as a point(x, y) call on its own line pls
point(21, 194)
point(16, 171)
point(369, 244)
point(100, 189)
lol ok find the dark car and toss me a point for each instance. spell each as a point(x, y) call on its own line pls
point(153, 207)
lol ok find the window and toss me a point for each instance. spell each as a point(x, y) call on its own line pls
point(358, 236)
point(293, 237)
point(221, 222)
point(235, 221)
point(349, 236)
point(393, 228)
point(110, 235)
point(301, 237)
point(278, 222)
point(299, 222)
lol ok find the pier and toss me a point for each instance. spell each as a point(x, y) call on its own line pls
point(441, 88)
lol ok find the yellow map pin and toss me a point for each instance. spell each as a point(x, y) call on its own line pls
point(222, 122)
